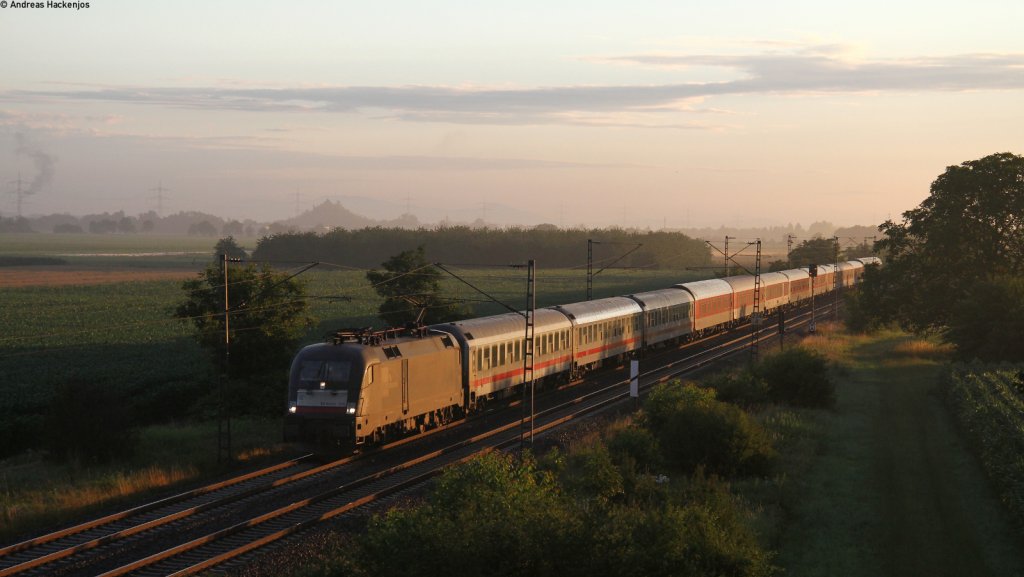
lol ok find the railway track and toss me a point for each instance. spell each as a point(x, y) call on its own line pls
point(160, 538)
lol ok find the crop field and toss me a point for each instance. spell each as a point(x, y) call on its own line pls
point(988, 403)
point(105, 316)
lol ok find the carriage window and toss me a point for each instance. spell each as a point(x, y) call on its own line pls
point(501, 355)
point(487, 358)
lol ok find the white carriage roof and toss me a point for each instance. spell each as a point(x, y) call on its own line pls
point(703, 289)
point(740, 282)
point(504, 326)
point(599, 310)
point(855, 263)
point(796, 274)
point(662, 298)
point(770, 278)
point(870, 260)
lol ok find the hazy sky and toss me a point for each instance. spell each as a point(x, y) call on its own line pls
point(639, 113)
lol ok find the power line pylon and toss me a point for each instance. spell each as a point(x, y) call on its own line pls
point(160, 190)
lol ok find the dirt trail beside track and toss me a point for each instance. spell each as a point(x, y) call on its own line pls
point(895, 492)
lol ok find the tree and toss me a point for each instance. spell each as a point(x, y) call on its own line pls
point(988, 324)
point(202, 228)
point(267, 316)
point(126, 225)
point(815, 250)
point(229, 247)
point(233, 228)
point(409, 285)
point(863, 249)
point(970, 229)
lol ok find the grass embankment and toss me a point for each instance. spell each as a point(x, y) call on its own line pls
point(890, 488)
point(35, 493)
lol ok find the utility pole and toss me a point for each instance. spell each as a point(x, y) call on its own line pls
point(727, 237)
point(531, 312)
point(590, 262)
point(224, 416)
point(590, 269)
point(812, 272)
point(755, 317)
point(837, 284)
point(789, 246)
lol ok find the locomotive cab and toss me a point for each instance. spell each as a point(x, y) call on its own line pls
point(324, 387)
point(367, 387)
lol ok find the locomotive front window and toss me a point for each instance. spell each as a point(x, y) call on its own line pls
point(312, 373)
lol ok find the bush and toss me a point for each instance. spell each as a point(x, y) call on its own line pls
point(637, 448)
point(741, 387)
point(694, 429)
point(798, 377)
point(89, 422)
point(590, 475)
point(497, 515)
point(491, 516)
point(702, 535)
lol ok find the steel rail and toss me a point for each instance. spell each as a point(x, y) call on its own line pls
point(43, 539)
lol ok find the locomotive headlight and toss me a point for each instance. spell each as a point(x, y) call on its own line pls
point(292, 408)
point(323, 385)
point(351, 409)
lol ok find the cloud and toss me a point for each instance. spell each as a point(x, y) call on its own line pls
point(814, 69)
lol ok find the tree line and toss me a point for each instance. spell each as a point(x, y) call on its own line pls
point(551, 247)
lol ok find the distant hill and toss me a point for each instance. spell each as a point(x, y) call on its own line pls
point(328, 215)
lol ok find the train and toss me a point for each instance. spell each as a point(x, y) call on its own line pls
point(364, 387)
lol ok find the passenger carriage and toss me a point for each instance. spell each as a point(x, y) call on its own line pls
point(603, 329)
point(493, 349)
point(774, 291)
point(667, 315)
point(849, 272)
point(799, 285)
point(712, 304)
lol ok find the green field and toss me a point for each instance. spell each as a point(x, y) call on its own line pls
point(122, 334)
